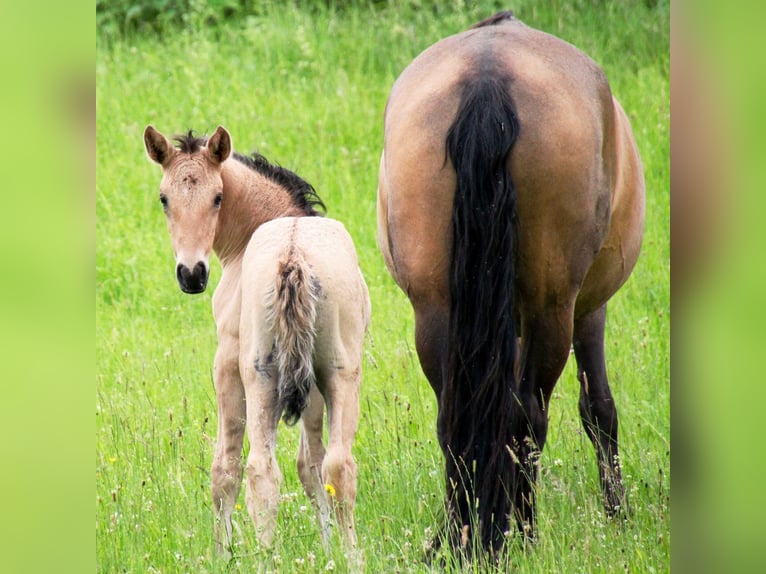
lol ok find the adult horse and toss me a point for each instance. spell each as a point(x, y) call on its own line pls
point(510, 209)
point(291, 311)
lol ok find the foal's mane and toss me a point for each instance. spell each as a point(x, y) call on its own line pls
point(302, 191)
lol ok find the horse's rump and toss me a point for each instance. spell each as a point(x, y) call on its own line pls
point(312, 298)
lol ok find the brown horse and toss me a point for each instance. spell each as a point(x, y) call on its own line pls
point(510, 209)
point(291, 312)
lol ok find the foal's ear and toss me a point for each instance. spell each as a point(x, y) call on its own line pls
point(219, 145)
point(158, 147)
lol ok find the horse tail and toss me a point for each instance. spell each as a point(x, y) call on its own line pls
point(292, 317)
point(478, 401)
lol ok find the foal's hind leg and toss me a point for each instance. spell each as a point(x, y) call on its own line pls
point(341, 392)
point(263, 475)
point(597, 410)
point(311, 453)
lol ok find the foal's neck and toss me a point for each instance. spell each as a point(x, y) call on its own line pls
point(249, 200)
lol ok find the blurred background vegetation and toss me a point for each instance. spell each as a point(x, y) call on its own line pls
point(120, 18)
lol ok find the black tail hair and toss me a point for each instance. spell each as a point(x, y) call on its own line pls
point(478, 400)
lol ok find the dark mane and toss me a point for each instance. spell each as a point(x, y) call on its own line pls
point(499, 18)
point(189, 143)
point(302, 191)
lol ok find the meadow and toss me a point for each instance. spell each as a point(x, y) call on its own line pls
point(306, 86)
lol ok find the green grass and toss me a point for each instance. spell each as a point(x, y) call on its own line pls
point(307, 89)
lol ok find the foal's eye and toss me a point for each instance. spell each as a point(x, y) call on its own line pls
point(164, 201)
point(217, 200)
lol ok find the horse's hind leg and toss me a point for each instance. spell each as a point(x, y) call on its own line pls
point(311, 453)
point(597, 410)
point(263, 475)
point(545, 348)
point(341, 392)
point(226, 470)
point(431, 328)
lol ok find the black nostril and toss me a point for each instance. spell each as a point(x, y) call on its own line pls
point(200, 271)
point(181, 272)
point(192, 281)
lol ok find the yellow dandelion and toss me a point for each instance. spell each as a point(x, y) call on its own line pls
point(238, 506)
point(330, 490)
point(112, 459)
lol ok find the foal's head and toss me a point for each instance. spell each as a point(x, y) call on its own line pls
point(190, 192)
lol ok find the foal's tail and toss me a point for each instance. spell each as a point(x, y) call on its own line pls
point(478, 401)
point(292, 317)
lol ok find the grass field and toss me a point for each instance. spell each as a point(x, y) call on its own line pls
point(307, 89)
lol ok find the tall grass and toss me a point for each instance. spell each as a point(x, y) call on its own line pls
point(307, 88)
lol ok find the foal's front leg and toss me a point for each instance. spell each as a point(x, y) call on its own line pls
point(226, 471)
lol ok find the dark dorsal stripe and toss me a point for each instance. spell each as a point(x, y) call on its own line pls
point(499, 18)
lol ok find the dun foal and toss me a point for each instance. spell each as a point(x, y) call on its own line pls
point(291, 311)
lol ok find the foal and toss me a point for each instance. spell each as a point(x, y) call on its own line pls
point(291, 311)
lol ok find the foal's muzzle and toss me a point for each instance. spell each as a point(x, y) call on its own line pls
point(192, 280)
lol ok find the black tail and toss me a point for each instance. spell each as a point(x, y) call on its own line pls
point(478, 402)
